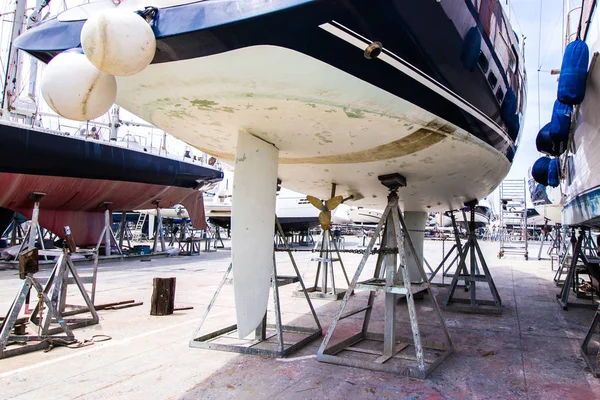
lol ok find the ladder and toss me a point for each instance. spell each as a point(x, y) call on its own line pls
point(139, 225)
point(513, 218)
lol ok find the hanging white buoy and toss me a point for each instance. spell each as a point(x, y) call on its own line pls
point(118, 42)
point(75, 89)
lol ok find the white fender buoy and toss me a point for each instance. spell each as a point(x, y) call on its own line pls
point(118, 42)
point(75, 89)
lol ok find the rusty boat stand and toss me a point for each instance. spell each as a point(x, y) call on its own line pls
point(269, 340)
point(363, 349)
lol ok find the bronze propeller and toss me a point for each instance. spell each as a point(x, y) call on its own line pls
point(326, 208)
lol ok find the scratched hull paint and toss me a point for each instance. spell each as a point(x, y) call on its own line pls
point(78, 175)
point(293, 73)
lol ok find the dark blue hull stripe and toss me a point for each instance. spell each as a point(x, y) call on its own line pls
point(430, 82)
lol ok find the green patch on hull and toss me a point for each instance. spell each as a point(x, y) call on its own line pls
point(355, 113)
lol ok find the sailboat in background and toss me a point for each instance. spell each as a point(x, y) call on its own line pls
point(80, 173)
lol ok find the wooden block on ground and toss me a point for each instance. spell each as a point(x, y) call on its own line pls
point(163, 296)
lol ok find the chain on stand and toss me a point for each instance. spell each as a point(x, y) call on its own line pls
point(384, 251)
point(41, 312)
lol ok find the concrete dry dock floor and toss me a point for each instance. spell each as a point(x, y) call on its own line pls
point(531, 351)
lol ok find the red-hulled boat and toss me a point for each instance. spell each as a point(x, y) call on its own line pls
point(78, 175)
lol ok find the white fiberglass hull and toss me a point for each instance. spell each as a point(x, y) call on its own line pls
point(300, 105)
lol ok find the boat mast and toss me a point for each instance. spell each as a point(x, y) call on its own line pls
point(33, 63)
point(11, 81)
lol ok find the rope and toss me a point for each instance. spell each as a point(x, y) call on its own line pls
point(580, 19)
point(74, 344)
point(384, 251)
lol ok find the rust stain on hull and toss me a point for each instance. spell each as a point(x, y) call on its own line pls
point(419, 140)
point(413, 143)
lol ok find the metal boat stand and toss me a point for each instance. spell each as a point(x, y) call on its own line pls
point(589, 246)
point(546, 234)
point(566, 256)
point(559, 245)
point(473, 275)
point(46, 312)
point(177, 233)
point(107, 235)
point(363, 349)
point(590, 265)
point(159, 231)
point(124, 232)
point(592, 355)
point(56, 289)
point(456, 247)
point(16, 232)
point(217, 237)
point(325, 261)
point(327, 257)
point(35, 231)
point(269, 340)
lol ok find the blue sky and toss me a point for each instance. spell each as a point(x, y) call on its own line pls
point(525, 18)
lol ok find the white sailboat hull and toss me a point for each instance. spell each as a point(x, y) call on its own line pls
point(299, 104)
